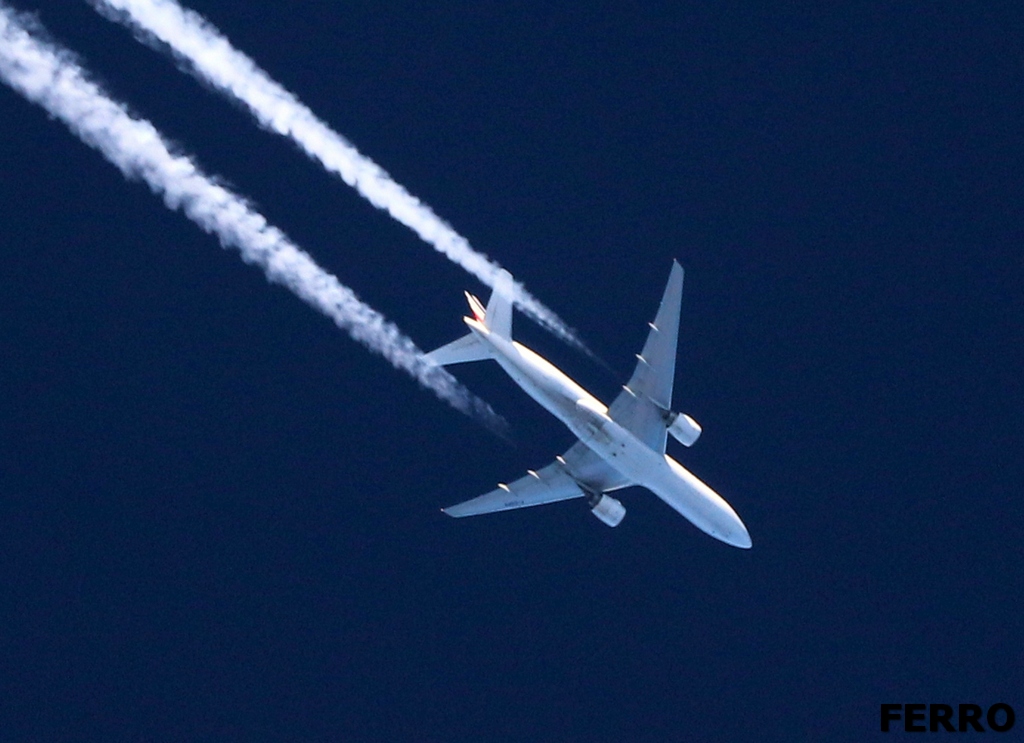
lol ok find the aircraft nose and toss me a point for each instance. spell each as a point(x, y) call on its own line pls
point(738, 536)
point(742, 540)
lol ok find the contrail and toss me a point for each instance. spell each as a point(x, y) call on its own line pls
point(48, 75)
point(206, 53)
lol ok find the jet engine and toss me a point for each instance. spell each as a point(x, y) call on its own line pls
point(683, 428)
point(606, 508)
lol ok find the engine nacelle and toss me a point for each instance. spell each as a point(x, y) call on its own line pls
point(606, 508)
point(683, 428)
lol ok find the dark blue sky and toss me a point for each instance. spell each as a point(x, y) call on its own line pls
point(218, 515)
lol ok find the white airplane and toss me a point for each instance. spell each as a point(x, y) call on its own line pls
point(618, 446)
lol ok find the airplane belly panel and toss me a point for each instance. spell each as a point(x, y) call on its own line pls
point(541, 387)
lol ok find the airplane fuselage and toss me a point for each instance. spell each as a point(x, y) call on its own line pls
point(588, 419)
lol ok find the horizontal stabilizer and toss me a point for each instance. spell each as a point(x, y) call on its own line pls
point(467, 348)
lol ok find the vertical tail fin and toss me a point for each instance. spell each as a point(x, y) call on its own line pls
point(498, 317)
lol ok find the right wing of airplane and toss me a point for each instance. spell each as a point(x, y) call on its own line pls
point(645, 401)
point(578, 472)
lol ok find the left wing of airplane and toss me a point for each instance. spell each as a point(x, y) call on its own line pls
point(577, 473)
point(546, 485)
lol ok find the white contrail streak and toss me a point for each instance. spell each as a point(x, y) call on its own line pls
point(46, 74)
point(210, 56)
